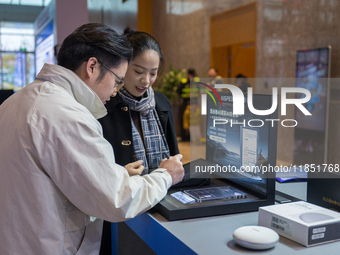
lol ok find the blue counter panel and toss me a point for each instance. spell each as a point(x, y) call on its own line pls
point(156, 237)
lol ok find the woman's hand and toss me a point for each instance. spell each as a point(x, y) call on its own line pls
point(135, 168)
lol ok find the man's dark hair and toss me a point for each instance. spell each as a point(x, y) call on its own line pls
point(240, 76)
point(142, 41)
point(192, 71)
point(214, 69)
point(94, 40)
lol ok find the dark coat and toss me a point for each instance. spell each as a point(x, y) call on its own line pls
point(117, 128)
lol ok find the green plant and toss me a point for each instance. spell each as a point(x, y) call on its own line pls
point(169, 82)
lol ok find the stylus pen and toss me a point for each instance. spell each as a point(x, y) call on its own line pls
point(166, 155)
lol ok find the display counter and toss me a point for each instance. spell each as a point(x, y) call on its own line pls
point(210, 235)
point(213, 235)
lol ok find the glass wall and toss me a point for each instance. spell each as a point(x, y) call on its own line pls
point(26, 2)
point(17, 67)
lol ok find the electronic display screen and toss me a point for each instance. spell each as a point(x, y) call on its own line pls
point(44, 51)
point(312, 70)
point(235, 143)
point(312, 73)
point(249, 146)
point(244, 144)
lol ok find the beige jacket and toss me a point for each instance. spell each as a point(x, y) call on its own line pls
point(58, 174)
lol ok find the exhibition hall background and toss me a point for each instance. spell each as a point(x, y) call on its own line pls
point(258, 38)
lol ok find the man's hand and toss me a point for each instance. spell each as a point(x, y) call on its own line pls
point(174, 167)
point(135, 168)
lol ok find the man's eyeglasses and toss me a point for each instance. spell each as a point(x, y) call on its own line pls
point(119, 84)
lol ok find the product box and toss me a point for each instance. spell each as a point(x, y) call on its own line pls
point(302, 222)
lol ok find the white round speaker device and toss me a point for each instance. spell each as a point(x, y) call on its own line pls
point(255, 237)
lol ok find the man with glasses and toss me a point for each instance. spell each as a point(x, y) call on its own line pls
point(120, 83)
point(59, 179)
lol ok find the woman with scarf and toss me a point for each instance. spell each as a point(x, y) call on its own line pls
point(140, 116)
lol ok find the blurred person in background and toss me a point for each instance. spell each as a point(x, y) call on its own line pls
point(242, 82)
point(185, 93)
